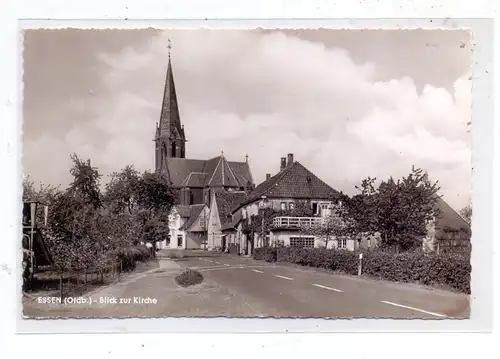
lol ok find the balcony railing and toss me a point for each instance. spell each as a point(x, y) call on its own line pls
point(296, 222)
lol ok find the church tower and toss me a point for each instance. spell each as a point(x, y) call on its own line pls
point(170, 139)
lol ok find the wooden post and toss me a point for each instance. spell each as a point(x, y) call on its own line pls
point(61, 286)
point(360, 265)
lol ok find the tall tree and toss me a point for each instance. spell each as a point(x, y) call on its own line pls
point(121, 191)
point(154, 194)
point(85, 181)
point(398, 209)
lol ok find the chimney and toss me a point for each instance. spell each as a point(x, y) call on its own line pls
point(283, 163)
point(290, 159)
point(268, 176)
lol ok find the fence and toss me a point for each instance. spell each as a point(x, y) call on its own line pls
point(79, 282)
point(296, 222)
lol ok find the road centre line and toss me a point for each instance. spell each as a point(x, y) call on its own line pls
point(257, 271)
point(329, 288)
point(412, 308)
point(209, 269)
point(227, 265)
point(280, 276)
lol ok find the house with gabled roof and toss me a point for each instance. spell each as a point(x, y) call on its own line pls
point(188, 227)
point(448, 231)
point(292, 187)
point(194, 180)
point(221, 207)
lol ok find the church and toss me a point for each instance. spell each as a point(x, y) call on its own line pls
point(194, 180)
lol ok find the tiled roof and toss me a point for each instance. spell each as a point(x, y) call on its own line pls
point(184, 211)
point(195, 179)
point(294, 181)
point(226, 201)
point(195, 211)
point(242, 172)
point(237, 217)
point(179, 168)
point(214, 172)
point(223, 176)
point(448, 217)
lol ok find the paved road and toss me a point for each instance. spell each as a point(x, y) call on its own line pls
point(238, 286)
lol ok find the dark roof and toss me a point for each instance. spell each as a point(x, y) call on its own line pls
point(180, 168)
point(215, 172)
point(237, 217)
point(226, 202)
point(184, 211)
point(195, 179)
point(295, 181)
point(195, 211)
point(448, 217)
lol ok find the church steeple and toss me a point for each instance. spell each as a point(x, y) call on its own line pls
point(170, 137)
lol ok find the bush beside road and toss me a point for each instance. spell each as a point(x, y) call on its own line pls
point(448, 271)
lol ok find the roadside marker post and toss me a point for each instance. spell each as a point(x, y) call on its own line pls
point(360, 266)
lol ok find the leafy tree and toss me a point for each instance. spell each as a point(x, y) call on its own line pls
point(466, 214)
point(85, 181)
point(121, 190)
point(154, 194)
point(398, 210)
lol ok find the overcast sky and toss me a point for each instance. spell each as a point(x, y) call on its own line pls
point(348, 104)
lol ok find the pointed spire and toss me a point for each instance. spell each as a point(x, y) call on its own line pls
point(222, 153)
point(170, 118)
point(246, 158)
point(169, 48)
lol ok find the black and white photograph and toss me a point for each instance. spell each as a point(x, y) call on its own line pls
point(309, 173)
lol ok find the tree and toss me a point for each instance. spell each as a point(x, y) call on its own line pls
point(85, 181)
point(121, 190)
point(466, 214)
point(398, 210)
point(154, 194)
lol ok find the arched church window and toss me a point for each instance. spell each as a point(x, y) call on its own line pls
point(173, 149)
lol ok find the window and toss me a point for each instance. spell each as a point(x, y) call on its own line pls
point(173, 149)
point(291, 205)
point(179, 240)
point(307, 242)
point(315, 207)
point(283, 206)
point(342, 243)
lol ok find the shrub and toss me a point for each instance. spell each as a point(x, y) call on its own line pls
point(188, 278)
point(447, 269)
point(129, 255)
point(268, 254)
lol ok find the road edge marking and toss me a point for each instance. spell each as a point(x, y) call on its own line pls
point(257, 271)
point(329, 288)
point(413, 308)
point(280, 276)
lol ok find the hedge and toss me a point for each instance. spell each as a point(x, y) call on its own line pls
point(448, 270)
point(129, 255)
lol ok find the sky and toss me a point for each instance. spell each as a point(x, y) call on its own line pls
point(347, 103)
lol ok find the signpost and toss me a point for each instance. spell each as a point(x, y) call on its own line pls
point(360, 265)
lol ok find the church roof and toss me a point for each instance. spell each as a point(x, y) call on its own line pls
point(295, 181)
point(215, 172)
point(170, 123)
